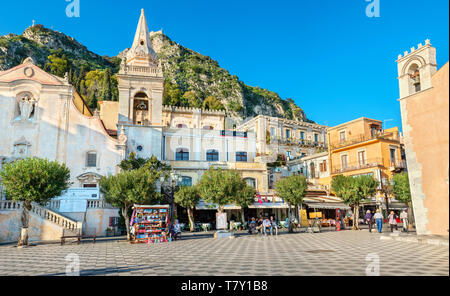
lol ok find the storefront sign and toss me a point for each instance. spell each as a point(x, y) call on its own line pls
point(221, 221)
point(303, 218)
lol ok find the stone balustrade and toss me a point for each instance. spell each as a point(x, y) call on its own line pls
point(44, 213)
point(98, 204)
point(10, 205)
point(146, 71)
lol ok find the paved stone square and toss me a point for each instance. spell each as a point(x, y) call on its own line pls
point(322, 254)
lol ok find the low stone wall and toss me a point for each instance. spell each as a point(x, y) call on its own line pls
point(94, 219)
point(40, 229)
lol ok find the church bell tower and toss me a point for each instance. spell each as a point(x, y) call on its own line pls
point(141, 82)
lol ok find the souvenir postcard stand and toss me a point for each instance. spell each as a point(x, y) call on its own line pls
point(151, 224)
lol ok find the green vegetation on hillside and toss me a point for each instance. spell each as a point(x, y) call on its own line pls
point(192, 79)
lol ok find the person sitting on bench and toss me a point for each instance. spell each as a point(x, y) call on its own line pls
point(267, 226)
point(259, 226)
point(176, 230)
point(252, 226)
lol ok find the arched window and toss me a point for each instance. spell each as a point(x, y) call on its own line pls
point(251, 182)
point(414, 78)
point(141, 109)
point(91, 159)
point(212, 155)
point(186, 181)
point(182, 154)
point(241, 156)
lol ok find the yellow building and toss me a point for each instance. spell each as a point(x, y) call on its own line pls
point(362, 147)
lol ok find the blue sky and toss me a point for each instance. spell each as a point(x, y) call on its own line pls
point(334, 61)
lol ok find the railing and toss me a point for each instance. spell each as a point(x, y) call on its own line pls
point(369, 163)
point(363, 138)
point(318, 187)
point(398, 164)
point(151, 71)
point(97, 204)
point(10, 205)
point(298, 142)
point(44, 213)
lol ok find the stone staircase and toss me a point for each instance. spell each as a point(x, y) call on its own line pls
point(59, 222)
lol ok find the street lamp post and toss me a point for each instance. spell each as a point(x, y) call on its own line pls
point(385, 189)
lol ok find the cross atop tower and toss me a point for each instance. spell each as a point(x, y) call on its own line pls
point(141, 52)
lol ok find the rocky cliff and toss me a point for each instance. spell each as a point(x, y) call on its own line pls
point(190, 76)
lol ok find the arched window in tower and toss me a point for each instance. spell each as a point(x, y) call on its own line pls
point(141, 109)
point(414, 78)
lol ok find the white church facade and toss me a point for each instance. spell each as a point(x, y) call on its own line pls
point(43, 116)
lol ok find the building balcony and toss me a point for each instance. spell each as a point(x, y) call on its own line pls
point(298, 142)
point(354, 166)
point(364, 138)
point(397, 165)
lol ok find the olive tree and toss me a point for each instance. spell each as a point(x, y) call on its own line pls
point(224, 187)
point(353, 191)
point(292, 189)
point(128, 188)
point(216, 187)
point(188, 197)
point(33, 180)
point(402, 192)
point(244, 195)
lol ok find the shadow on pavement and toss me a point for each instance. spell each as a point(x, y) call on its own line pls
point(103, 271)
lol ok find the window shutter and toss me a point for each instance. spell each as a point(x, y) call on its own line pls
point(92, 159)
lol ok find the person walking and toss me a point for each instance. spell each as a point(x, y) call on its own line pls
point(379, 220)
point(405, 222)
point(393, 221)
point(369, 219)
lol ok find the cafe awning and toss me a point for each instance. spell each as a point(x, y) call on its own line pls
point(328, 205)
point(269, 205)
point(209, 206)
point(395, 206)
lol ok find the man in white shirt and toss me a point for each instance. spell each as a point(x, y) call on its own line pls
point(379, 220)
point(266, 225)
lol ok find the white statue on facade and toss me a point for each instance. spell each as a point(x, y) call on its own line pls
point(26, 106)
